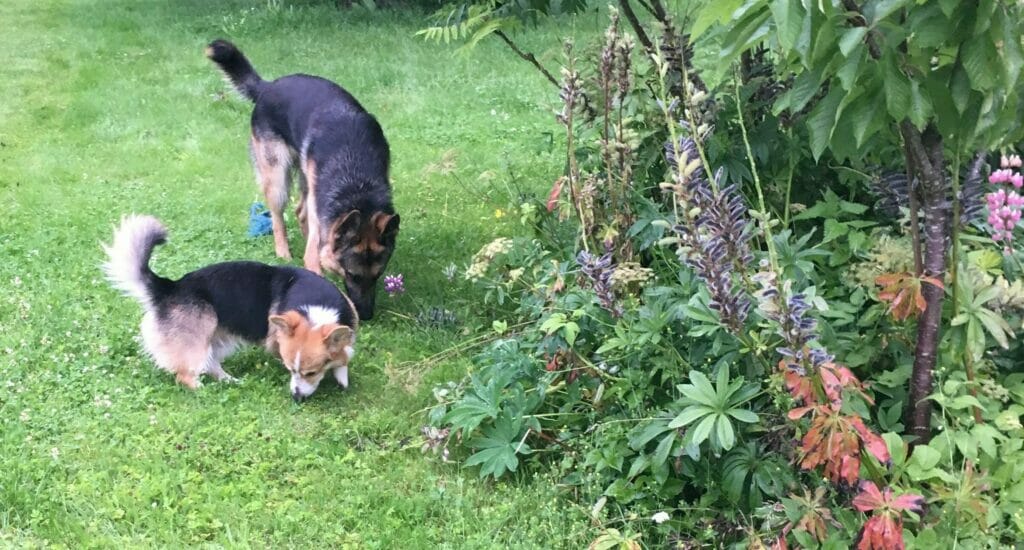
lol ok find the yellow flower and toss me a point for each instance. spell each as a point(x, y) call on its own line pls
point(499, 213)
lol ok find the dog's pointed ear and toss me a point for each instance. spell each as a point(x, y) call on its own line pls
point(387, 226)
point(347, 224)
point(337, 338)
point(287, 322)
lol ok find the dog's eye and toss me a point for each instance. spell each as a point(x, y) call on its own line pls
point(309, 373)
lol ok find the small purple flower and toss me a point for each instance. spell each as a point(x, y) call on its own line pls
point(394, 284)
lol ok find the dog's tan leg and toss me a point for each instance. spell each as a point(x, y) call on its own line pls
point(311, 257)
point(190, 360)
point(180, 340)
point(271, 159)
point(300, 210)
point(221, 346)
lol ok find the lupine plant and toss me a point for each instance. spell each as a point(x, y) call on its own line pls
point(699, 357)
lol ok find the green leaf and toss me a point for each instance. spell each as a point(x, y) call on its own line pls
point(963, 402)
point(661, 453)
point(987, 436)
point(897, 448)
point(925, 457)
point(996, 326)
point(1013, 57)
point(960, 89)
point(834, 230)
point(803, 42)
point(920, 106)
point(553, 323)
point(966, 444)
point(850, 39)
point(703, 386)
point(703, 429)
point(949, 6)
point(789, 17)
point(897, 89)
point(747, 31)
point(863, 118)
point(689, 415)
point(980, 59)
point(637, 440)
point(987, 294)
point(877, 11)
point(495, 461)
point(713, 13)
point(498, 448)
point(722, 384)
point(743, 415)
point(849, 72)
point(725, 433)
point(571, 331)
point(639, 465)
point(821, 121)
point(805, 86)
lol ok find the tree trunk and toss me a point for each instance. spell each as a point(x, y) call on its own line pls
point(924, 151)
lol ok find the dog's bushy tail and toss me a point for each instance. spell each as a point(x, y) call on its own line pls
point(236, 67)
point(127, 266)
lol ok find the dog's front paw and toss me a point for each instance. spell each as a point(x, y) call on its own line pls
point(341, 375)
point(283, 252)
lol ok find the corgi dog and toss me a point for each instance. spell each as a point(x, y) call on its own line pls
point(312, 127)
point(192, 324)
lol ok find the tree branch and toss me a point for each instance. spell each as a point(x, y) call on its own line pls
point(858, 20)
point(641, 34)
point(528, 57)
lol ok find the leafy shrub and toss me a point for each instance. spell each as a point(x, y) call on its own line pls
point(691, 349)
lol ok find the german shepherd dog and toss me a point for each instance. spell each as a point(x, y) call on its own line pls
point(313, 127)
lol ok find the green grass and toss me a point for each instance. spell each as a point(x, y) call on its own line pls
point(110, 108)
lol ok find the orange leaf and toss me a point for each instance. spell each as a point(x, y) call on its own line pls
point(556, 191)
point(903, 293)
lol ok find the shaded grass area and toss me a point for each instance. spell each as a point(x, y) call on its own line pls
point(111, 108)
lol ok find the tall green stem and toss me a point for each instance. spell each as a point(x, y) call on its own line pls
point(765, 217)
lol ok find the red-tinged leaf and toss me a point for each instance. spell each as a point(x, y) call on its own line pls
point(556, 192)
point(912, 503)
point(800, 387)
point(798, 412)
point(849, 469)
point(833, 388)
point(780, 544)
point(882, 532)
point(903, 292)
point(870, 498)
point(871, 441)
point(933, 281)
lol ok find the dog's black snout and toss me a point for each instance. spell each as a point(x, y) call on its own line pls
point(298, 397)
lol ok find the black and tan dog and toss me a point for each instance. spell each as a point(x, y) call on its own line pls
point(192, 324)
point(313, 127)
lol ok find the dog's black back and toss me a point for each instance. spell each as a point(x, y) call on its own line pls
point(324, 123)
point(344, 158)
point(242, 295)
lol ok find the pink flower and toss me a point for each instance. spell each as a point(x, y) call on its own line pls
point(1015, 161)
point(1017, 180)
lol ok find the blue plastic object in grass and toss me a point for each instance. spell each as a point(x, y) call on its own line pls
point(259, 220)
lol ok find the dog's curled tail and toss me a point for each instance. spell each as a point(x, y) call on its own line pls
point(127, 266)
point(236, 67)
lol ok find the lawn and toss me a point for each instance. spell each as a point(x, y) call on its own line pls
point(111, 108)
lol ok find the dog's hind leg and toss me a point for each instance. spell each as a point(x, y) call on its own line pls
point(271, 159)
point(221, 346)
point(300, 209)
point(311, 256)
point(179, 340)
